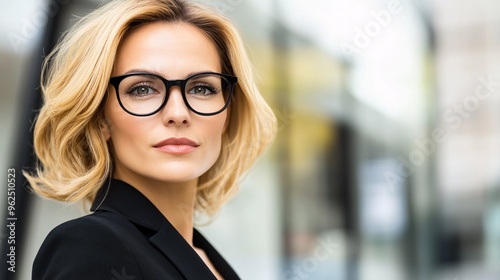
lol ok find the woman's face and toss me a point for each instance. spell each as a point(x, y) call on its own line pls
point(174, 145)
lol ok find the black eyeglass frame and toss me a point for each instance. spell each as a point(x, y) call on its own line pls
point(232, 80)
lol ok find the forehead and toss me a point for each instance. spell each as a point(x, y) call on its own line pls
point(173, 49)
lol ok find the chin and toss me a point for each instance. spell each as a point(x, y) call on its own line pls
point(180, 171)
point(172, 176)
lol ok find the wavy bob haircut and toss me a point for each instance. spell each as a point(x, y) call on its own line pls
point(74, 157)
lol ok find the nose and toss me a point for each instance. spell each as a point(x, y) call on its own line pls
point(175, 112)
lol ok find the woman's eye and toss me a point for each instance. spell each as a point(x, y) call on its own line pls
point(203, 90)
point(141, 90)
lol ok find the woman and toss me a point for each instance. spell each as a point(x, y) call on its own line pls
point(151, 113)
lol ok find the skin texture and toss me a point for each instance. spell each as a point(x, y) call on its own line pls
point(174, 51)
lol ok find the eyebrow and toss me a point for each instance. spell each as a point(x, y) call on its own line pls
point(138, 70)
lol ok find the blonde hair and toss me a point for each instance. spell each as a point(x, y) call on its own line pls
point(75, 160)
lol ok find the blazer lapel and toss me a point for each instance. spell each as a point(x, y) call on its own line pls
point(120, 197)
point(180, 253)
point(217, 260)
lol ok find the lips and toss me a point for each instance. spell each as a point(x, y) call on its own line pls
point(176, 145)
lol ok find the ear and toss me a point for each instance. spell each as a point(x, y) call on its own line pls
point(105, 128)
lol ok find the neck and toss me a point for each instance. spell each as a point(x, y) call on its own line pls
point(174, 200)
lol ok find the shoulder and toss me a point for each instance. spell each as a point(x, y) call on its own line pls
point(84, 248)
point(95, 229)
point(94, 226)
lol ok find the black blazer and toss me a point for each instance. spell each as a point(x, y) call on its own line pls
point(126, 238)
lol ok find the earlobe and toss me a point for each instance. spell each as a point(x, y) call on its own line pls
point(104, 126)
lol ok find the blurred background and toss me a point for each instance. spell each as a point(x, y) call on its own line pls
point(387, 161)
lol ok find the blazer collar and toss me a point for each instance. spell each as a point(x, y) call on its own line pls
point(121, 198)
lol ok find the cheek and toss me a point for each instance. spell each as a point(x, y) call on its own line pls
point(124, 129)
point(213, 131)
point(217, 128)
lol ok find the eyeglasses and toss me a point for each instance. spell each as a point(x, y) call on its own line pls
point(145, 94)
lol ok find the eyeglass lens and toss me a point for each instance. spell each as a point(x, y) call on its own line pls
point(143, 94)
